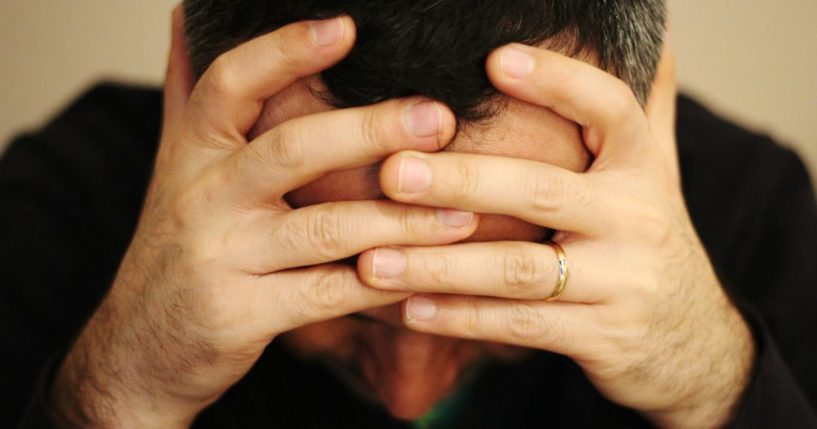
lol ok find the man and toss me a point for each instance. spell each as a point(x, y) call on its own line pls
point(235, 303)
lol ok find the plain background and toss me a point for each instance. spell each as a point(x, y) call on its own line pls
point(754, 61)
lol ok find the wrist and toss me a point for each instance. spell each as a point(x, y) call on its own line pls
point(94, 388)
point(715, 403)
point(79, 398)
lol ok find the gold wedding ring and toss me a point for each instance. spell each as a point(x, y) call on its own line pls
point(560, 284)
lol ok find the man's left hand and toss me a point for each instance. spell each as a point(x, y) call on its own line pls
point(643, 312)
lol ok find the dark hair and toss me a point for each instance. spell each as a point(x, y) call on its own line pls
point(438, 48)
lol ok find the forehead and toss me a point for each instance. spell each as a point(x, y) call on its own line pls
point(522, 130)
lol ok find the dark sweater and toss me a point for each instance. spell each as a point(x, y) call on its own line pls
point(70, 195)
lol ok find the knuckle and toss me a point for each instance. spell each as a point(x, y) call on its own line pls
point(551, 192)
point(221, 311)
point(524, 323)
point(644, 286)
point(221, 78)
point(212, 133)
point(326, 293)
point(623, 103)
point(286, 234)
point(324, 232)
point(286, 150)
point(522, 271)
point(406, 219)
point(653, 227)
point(189, 205)
point(178, 215)
point(370, 130)
point(472, 321)
point(437, 268)
point(466, 181)
point(640, 283)
point(244, 167)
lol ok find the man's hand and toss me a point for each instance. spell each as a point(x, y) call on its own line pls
point(643, 312)
point(220, 264)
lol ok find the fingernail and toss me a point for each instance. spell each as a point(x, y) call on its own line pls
point(413, 175)
point(515, 63)
point(423, 119)
point(388, 263)
point(455, 218)
point(421, 308)
point(326, 32)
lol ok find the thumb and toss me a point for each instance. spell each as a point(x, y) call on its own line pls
point(179, 77)
point(661, 104)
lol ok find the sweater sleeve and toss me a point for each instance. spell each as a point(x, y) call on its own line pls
point(754, 207)
point(38, 413)
point(778, 295)
point(47, 288)
point(774, 397)
point(69, 199)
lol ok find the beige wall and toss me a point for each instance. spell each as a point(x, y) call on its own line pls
point(754, 60)
point(50, 50)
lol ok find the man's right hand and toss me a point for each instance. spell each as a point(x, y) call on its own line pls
point(220, 264)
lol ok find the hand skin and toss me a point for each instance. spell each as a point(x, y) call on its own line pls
point(643, 312)
point(220, 264)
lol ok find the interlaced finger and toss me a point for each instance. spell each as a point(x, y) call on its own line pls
point(314, 294)
point(560, 327)
point(228, 98)
point(300, 150)
point(332, 231)
point(613, 121)
point(515, 270)
point(536, 192)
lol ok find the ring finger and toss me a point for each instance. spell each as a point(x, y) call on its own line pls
point(515, 270)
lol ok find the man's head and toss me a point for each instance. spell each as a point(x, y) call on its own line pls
point(435, 48)
point(438, 48)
